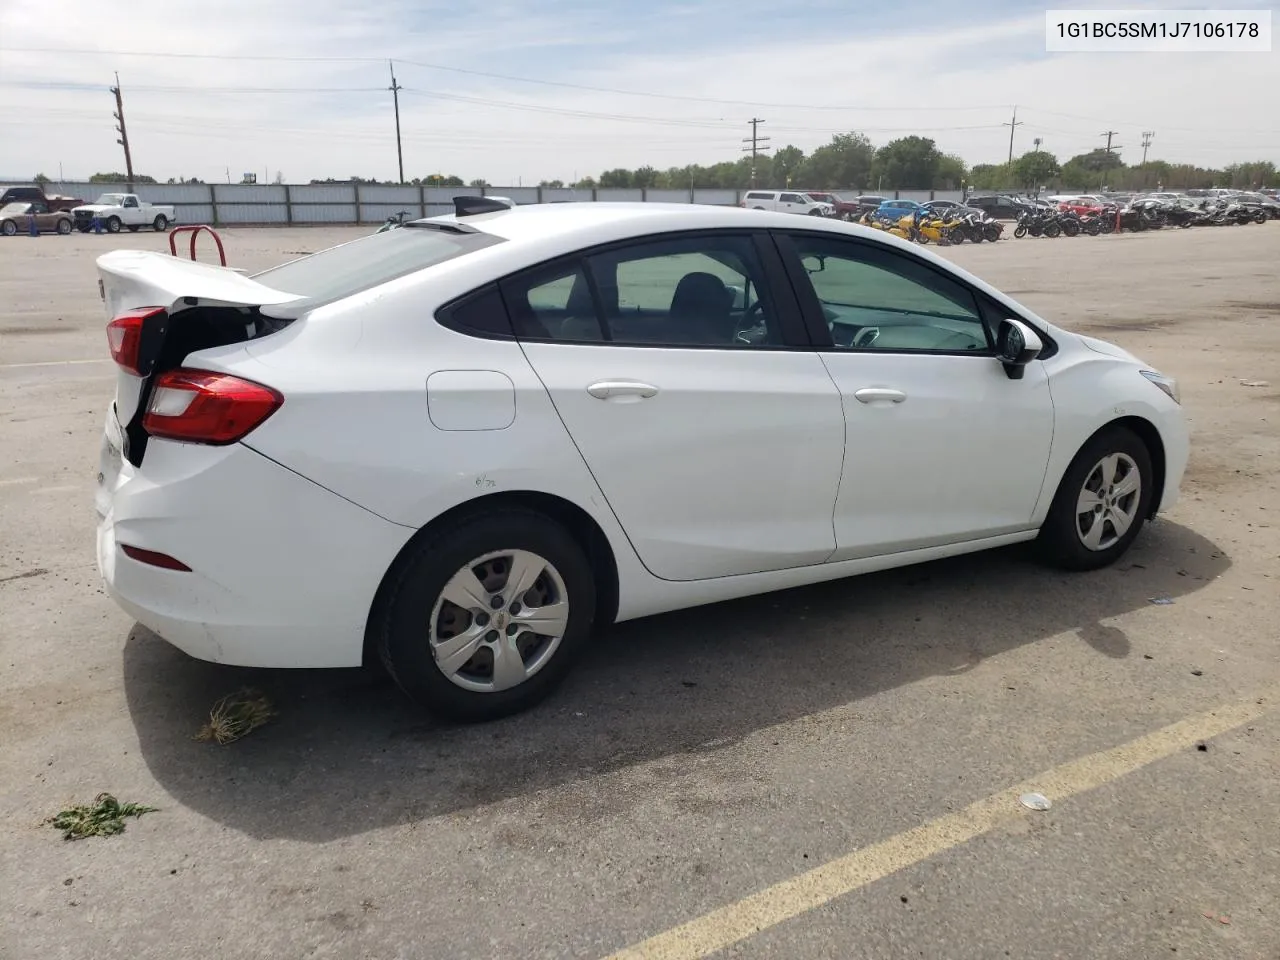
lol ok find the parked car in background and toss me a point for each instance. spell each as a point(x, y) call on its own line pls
point(786, 201)
point(117, 210)
point(1000, 206)
point(842, 208)
point(52, 201)
point(462, 446)
point(17, 217)
point(899, 208)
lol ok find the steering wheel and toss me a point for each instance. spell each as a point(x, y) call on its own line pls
point(752, 318)
point(866, 337)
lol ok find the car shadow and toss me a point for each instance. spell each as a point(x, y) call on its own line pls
point(346, 753)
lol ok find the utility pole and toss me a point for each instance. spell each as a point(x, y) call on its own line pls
point(757, 145)
point(395, 89)
point(1109, 134)
point(1012, 125)
point(124, 136)
point(1146, 142)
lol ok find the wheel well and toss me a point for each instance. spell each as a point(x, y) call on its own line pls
point(577, 521)
point(1150, 437)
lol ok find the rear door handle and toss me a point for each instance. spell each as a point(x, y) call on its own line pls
point(880, 395)
point(621, 390)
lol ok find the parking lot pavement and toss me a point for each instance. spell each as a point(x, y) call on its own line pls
point(817, 773)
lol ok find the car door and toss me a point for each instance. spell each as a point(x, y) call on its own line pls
point(681, 369)
point(794, 203)
point(941, 445)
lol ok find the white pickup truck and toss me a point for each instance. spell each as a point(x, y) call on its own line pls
point(116, 210)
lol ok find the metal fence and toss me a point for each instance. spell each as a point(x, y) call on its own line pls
point(226, 204)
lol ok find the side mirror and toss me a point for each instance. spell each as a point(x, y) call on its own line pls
point(1016, 346)
point(815, 264)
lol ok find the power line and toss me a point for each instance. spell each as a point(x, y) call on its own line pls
point(499, 76)
point(1146, 143)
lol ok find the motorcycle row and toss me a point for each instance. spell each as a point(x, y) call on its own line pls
point(940, 228)
point(1141, 214)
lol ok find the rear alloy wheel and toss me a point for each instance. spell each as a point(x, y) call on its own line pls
point(8, 228)
point(160, 224)
point(486, 618)
point(1101, 504)
point(64, 227)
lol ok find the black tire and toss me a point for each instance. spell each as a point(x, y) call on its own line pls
point(991, 232)
point(113, 224)
point(8, 228)
point(64, 227)
point(1019, 232)
point(1052, 230)
point(1260, 217)
point(1060, 541)
point(160, 223)
point(416, 582)
point(1071, 229)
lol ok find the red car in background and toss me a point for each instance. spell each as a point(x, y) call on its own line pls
point(844, 209)
point(1084, 206)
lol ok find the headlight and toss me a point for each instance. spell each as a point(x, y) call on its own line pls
point(1167, 384)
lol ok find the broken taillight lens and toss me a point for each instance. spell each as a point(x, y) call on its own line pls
point(197, 406)
point(124, 336)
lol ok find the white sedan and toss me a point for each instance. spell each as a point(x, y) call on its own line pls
point(461, 446)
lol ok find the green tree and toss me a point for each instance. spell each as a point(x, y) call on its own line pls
point(785, 166)
point(990, 176)
point(1035, 169)
point(552, 184)
point(478, 184)
point(41, 179)
point(120, 178)
point(645, 176)
point(586, 183)
point(950, 173)
point(844, 163)
point(910, 162)
point(618, 177)
point(1250, 175)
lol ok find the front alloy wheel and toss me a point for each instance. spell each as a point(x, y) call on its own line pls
point(1108, 503)
point(1101, 504)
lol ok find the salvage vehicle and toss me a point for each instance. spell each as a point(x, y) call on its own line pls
point(116, 210)
point(786, 201)
point(461, 446)
point(17, 217)
point(840, 207)
point(52, 201)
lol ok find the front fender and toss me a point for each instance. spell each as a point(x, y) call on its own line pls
point(1091, 391)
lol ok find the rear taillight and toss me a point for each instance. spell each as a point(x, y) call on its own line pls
point(154, 559)
point(124, 336)
point(197, 406)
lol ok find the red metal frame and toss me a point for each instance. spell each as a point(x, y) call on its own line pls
point(194, 230)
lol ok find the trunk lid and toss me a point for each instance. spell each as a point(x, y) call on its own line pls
point(225, 301)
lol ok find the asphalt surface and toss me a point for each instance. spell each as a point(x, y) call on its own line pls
point(829, 765)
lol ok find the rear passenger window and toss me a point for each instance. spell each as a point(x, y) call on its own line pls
point(553, 303)
point(481, 312)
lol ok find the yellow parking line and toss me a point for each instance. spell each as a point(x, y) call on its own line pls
point(790, 898)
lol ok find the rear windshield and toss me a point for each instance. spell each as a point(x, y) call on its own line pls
point(353, 267)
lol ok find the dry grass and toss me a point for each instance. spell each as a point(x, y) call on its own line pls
point(103, 818)
point(236, 715)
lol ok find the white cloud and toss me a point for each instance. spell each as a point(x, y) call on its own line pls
point(954, 84)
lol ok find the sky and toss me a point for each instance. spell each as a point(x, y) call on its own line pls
point(521, 92)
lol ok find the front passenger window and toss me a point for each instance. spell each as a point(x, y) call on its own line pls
point(875, 298)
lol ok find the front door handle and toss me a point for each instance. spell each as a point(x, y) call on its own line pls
point(880, 395)
point(621, 390)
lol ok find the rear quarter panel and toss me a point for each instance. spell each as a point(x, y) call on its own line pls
point(356, 417)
